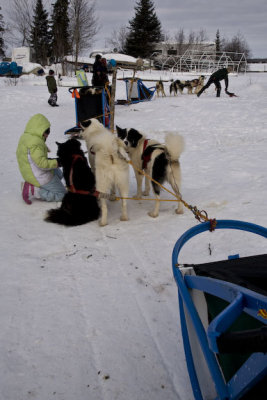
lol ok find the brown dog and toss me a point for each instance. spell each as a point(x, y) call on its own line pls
point(160, 88)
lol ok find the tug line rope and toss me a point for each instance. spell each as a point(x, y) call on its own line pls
point(200, 215)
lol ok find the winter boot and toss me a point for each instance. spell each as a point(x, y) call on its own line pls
point(29, 191)
point(26, 189)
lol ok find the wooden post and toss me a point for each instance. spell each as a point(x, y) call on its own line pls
point(131, 87)
point(112, 99)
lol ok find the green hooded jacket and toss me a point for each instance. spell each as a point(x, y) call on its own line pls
point(31, 153)
point(81, 77)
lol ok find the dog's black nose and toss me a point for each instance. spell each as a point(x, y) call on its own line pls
point(126, 142)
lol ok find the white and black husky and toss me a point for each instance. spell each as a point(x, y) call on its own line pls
point(159, 161)
point(109, 162)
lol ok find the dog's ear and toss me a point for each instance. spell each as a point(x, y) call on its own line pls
point(75, 144)
point(122, 133)
point(58, 143)
point(85, 124)
point(134, 136)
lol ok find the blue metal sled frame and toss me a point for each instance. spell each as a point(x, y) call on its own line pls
point(104, 115)
point(144, 93)
point(240, 299)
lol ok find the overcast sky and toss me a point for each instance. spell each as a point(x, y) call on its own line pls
point(248, 17)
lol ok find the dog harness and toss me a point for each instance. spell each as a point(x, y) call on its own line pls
point(145, 157)
point(147, 152)
point(71, 187)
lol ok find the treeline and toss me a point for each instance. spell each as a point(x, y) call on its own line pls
point(70, 27)
point(145, 29)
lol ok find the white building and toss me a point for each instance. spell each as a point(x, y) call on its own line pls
point(21, 55)
point(166, 49)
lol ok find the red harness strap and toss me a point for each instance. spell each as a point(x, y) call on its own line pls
point(91, 150)
point(146, 158)
point(72, 188)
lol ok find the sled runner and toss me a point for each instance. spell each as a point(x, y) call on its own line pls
point(223, 314)
point(90, 102)
point(137, 92)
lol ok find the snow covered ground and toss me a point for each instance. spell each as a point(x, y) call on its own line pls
point(90, 312)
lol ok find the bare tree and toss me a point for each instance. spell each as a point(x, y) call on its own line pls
point(237, 44)
point(201, 36)
point(180, 40)
point(2, 31)
point(20, 20)
point(117, 39)
point(83, 25)
point(191, 41)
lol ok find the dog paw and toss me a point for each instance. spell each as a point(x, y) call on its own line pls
point(137, 196)
point(152, 214)
point(112, 197)
point(124, 218)
point(145, 193)
point(102, 223)
point(179, 211)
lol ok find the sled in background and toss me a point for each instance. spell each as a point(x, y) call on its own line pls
point(90, 102)
point(223, 315)
point(11, 70)
point(136, 91)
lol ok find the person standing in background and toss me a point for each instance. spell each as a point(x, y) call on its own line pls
point(52, 88)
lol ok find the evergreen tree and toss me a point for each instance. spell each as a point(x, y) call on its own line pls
point(218, 42)
point(2, 30)
point(40, 36)
point(144, 30)
point(60, 30)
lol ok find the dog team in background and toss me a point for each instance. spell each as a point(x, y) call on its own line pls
point(192, 86)
point(197, 86)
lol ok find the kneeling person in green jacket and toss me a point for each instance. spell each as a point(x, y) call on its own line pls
point(41, 174)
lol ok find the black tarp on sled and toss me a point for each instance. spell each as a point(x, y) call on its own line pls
point(90, 102)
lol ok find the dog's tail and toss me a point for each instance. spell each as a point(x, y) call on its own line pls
point(59, 216)
point(175, 145)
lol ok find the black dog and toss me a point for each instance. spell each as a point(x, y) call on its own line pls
point(79, 205)
point(179, 85)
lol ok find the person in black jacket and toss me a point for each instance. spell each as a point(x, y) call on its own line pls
point(100, 71)
point(52, 88)
point(97, 70)
point(216, 77)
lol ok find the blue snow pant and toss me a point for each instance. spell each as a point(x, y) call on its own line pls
point(53, 190)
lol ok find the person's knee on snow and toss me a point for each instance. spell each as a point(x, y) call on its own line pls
point(53, 190)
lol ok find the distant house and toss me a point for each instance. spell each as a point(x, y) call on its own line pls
point(21, 55)
point(166, 49)
point(257, 65)
point(122, 60)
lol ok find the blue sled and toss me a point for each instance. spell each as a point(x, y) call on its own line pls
point(223, 315)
